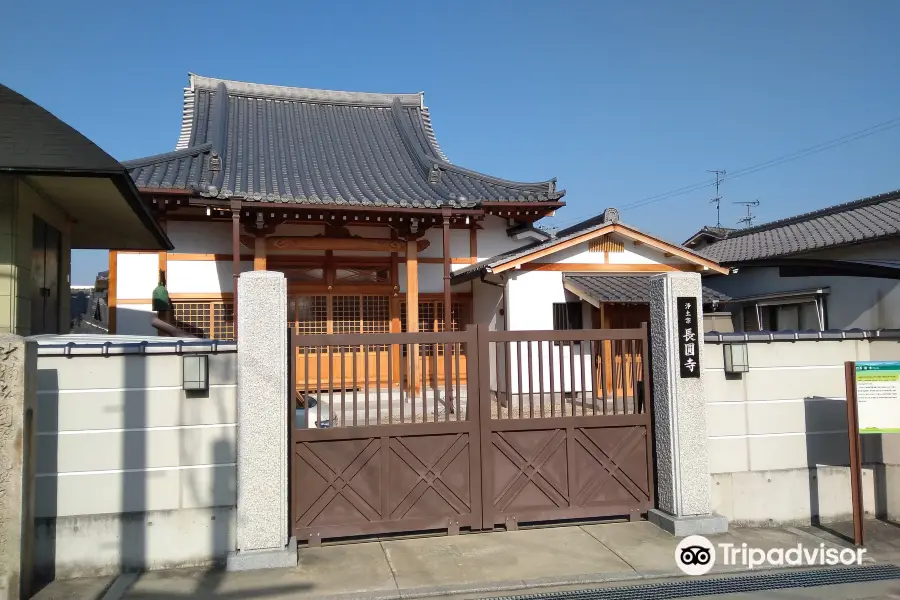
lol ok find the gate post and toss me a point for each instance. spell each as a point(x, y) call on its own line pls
point(262, 442)
point(679, 406)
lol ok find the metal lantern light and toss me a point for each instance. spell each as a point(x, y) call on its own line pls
point(195, 376)
point(736, 360)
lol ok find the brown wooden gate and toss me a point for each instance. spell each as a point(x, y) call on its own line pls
point(530, 435)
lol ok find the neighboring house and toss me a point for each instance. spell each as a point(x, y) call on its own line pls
point(350, 196)
point(835, 268)
point(706, 236)
point(58, 192)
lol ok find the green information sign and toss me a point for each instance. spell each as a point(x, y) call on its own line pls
point(878, 396)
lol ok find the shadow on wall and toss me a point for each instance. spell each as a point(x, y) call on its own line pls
point(87, 535)
point(827, 449)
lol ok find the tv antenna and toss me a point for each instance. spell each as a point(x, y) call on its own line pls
point(720, 176)
point(749, 218)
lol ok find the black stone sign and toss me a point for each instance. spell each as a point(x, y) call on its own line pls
point(688, 338)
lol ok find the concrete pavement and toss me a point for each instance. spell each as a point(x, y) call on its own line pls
point(465, 566)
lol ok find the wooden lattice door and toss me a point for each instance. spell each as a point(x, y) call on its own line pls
point(343, 366)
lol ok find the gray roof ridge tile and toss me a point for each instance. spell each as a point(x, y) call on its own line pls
point(167, 156)
point(822, 212)
point(278, 92)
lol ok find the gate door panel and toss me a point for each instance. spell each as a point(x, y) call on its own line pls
point(558, 441)
point(393, 457)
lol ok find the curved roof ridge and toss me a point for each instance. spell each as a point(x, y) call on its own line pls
point(426, 162)
point(278, 92)
point(822, 212)
point(187, 119)
point(432, 137)
point(167, 156)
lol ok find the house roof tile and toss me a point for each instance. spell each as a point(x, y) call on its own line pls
point(633, 289)
point(863, 220)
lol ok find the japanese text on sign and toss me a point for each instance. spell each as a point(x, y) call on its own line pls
point(688, 341)
point(878, 396)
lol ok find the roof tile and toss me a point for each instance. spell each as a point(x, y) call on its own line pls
point(862, 220)
point(279, 144)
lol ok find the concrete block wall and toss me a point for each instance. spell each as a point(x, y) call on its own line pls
point(778, 442)
point(132, 471)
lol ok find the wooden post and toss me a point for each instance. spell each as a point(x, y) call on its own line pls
point(448, 313)
point(412, 304)
point(856, 493)
point(112, 282)
point(259, 253)
point(236, 257)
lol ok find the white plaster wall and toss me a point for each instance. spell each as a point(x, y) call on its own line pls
point(531, 298)
point(137, 274)
point(778, 434)
point(853, 302)
point(459, 243)
point(431, 278)
point(197, 237)
point(492, 239)
point(201, 277)
point(641, 255)
point(487, 304)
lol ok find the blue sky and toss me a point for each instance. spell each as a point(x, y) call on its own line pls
point(620, 101)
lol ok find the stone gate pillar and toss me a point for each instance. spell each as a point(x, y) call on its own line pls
point(18, 372)
point(262, 434)
point(679, 406)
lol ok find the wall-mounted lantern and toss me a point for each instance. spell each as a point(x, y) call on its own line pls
point(196, 373)
point(736, 360)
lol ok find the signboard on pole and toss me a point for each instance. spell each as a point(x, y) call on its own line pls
point(688, 340)
point(878, 396)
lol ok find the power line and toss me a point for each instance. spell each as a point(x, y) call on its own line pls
point(768, 164)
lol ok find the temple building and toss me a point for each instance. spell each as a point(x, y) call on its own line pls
point(351, 197)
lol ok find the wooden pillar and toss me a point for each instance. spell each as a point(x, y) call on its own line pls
point(412, 309)
point(236, 257)
point(448, 313)
point(412, 287)
point(259, 253)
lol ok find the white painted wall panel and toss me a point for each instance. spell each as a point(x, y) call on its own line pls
point(789, 410)
point(459, 243)
point(431, 279)
point(492, 240)
point(137, 274)
point(118, 434)
point(641, 255)
point(197, 237)
point(74, 495)
point(202, 276)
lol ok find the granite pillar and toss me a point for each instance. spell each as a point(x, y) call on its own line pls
point(262, 441)
point(679, 406)
point(18, 371)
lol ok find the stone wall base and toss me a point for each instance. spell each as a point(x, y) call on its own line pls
point(688, 525)
point(275, 558)
point(98, 545)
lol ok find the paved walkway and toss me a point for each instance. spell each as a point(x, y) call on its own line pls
point(465, 566)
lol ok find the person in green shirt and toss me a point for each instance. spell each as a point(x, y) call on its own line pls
point(161, 303)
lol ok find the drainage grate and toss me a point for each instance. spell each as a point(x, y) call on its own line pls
point(726, 585)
